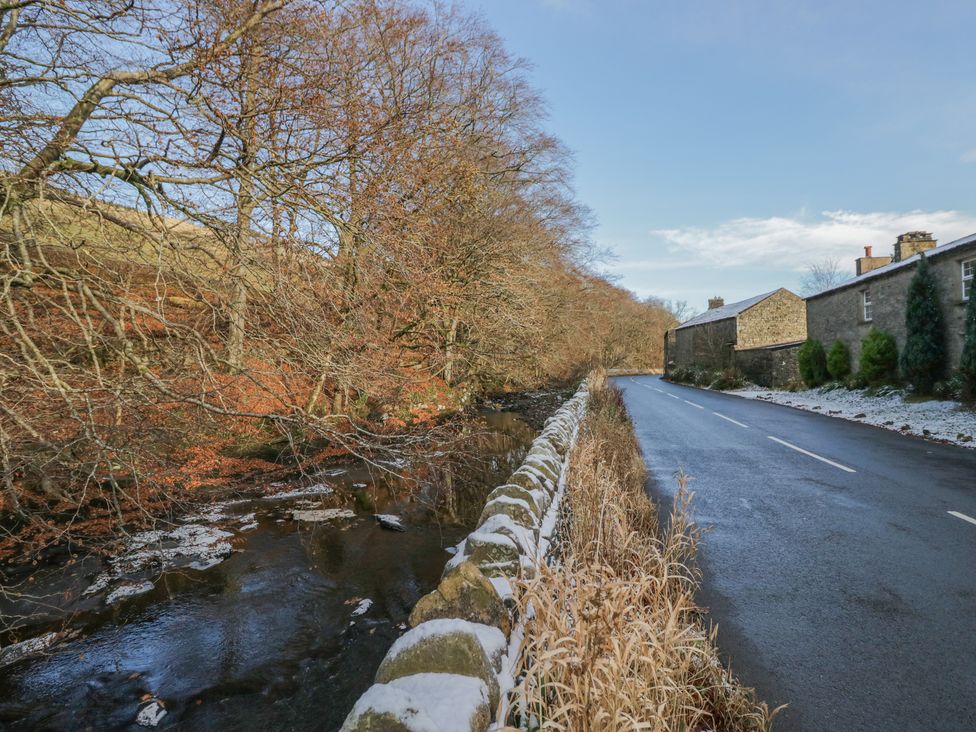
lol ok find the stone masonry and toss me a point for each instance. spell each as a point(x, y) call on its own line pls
point(838, 313)
point(712, 340)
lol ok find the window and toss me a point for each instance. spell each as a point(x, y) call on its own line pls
point(968, 272)
point(868, 308)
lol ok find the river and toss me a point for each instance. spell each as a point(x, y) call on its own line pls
point(282, 634)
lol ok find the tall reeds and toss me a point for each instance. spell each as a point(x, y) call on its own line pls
point(614, 638)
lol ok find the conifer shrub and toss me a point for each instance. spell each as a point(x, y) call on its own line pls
point(812, 361)
point(923, 360)
point(839, 361)
point(879, 358)
point(967, 365)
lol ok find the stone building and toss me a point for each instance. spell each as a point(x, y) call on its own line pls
point(877, 296)
point(745, 335)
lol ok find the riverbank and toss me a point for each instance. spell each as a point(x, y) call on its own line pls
point(270, 608)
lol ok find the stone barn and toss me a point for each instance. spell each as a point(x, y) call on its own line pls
point(757, 336)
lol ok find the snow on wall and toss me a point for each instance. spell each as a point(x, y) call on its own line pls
point(507, 523)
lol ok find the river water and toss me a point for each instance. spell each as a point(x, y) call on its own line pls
point(285, 633)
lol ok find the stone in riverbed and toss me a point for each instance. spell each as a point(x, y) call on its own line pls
point(388, 521)
point(464, 593)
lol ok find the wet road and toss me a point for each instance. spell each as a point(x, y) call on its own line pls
point(840, 565)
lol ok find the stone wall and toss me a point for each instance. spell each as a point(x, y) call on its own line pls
point(707, 346)
point(454, 668)
point(773, 366)
point(839, 314)
point(780, 318)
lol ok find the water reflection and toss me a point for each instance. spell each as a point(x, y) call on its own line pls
point(266, 639)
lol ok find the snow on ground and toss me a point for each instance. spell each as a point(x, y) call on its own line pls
point(324, 514)
point(936, 420)
point(128, 590)
point(16, 651)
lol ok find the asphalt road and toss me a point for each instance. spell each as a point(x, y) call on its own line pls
point(840, 581)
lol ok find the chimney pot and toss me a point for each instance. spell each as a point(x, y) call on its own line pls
point(867, 251)
point(715, 302)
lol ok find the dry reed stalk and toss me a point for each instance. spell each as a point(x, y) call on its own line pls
point(614, 639)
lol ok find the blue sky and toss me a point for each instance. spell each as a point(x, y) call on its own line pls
point(724, 145)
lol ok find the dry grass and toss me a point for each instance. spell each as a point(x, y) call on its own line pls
point(614, 640)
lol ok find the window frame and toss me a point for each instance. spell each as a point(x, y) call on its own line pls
point(867, 307)
point(970, 279)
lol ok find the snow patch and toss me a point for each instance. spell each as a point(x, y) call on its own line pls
point(362, 608)
point(322, 514)
point(389, 521)
point(30, 647)
point(151, 714)
point(319, 489)
point(129, 589)
point(940, 420)
point(490, 637)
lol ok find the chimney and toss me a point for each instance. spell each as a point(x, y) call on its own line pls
point(913, 242)
point(869, 262)
point(715, 302)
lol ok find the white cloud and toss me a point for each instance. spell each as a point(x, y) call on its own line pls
point(791, 243)
point(969, 156)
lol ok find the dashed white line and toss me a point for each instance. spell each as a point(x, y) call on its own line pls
point(962, 516)
point(660, 390)
point(812, 454)
point(673, 396)
point(729, 419)
point(698, 406)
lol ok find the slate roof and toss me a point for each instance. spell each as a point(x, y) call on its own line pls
point(726, 311)
point(894, 266)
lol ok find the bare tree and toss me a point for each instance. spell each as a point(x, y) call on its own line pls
point(821, 275)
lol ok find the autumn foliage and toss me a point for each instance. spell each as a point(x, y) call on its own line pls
point(228, 225)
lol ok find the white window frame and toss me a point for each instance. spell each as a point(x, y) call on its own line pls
point(968, 280)
point(867, 306)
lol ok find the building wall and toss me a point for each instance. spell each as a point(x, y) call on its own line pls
point(839, 314)
point(772, 366)
point(706, 346)
point(780, 318)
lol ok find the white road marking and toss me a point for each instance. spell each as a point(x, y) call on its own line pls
point(811, 454)
point(660, 390)
point(962, 516)
point(699, 406)
point(673, 396)
point(729, 419)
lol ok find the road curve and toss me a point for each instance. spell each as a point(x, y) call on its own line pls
point(840, 561)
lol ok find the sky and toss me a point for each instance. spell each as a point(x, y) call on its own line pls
point(724, 145)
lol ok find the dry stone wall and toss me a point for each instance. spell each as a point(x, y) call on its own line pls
point(454, 668)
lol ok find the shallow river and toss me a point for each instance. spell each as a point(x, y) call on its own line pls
point(284, 633)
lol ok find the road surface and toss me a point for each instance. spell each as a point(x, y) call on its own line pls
point(840, 565)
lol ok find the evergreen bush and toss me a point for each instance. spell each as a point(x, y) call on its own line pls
point(923, 360)
point(812, 361)
point(879, 358)
point(967, 365)
point(839, 361)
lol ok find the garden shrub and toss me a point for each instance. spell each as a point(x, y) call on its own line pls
point(812, 361)
point(879, 358)
point(923, 360)
point(839, 361)
point(967, 366)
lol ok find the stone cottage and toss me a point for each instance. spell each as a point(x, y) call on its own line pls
point(877, 296)
point(755, 336)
